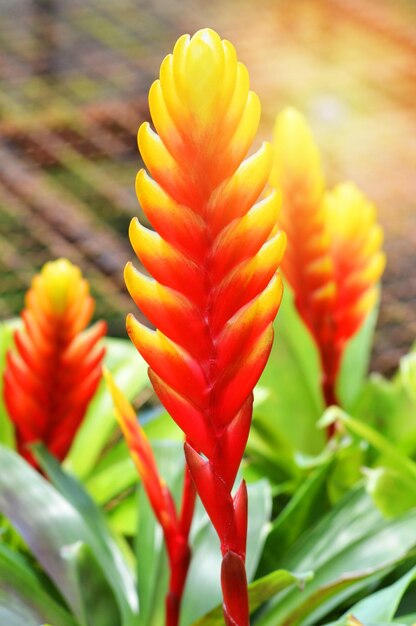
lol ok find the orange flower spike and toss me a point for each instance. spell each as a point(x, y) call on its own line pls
point(215, 289)
point(52, 375)
point(307, 264)
point(333, 260)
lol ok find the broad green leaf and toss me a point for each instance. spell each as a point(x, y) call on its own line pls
point(343, 550)
point(117, 570)
point(355, 362)
point(14, 613)
point(382, 605)
point(393, 492)
point(6, 342)
point(206, 555)
point(22, 588)
point(259, 592)
point(130, 374)
point(49, 523)
point(304, 508)
point(98, 602)
point(293, 402)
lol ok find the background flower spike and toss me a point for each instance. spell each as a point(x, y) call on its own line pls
point(55, 369)
point(334, 260)
point(216, 289)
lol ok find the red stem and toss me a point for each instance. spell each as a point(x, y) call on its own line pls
point(180, 553)
point(330, 363)
point(330, 397)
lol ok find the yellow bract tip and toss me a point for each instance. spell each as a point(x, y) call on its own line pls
point(58, 283)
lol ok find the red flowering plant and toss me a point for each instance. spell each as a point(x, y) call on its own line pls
point(181, 532)
point(215, 293)
point(55, 368)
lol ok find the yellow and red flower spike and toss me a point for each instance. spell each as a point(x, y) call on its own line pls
point(52, 375)
point(334, 259)
point(175, 527)
point(214, 288)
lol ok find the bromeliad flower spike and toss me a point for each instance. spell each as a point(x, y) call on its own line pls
point(52, 375)
point(215, 289)
point(334, 259)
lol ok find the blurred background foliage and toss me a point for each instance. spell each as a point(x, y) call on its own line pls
point(74, 76)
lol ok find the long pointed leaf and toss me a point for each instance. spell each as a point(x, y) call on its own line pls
point(20, 587)
point(117, 571)
point(49, 524)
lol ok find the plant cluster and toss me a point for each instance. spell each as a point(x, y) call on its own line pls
point(275, 483)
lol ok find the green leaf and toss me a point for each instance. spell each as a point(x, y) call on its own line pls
point(130, 374)
point(116, 568)
point(13, 613)
point(161, 426)
point(6, 342)
point(347, 469)
point(393, 492)
point(107, 484)
point(406, 620)
point(20, 587)
point(374, 438)
point(386, 406)
point(98, 602)
point(123, 516)
point(259, 592)
point(343, 550)
point(293, 401)
point(49, 524)
point(382, 605)
point(408, 374)
point(355, 362)
point(307, 505)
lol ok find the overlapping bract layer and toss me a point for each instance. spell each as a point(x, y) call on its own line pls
point(53, 373)
point(214, 257)
point(334, 259)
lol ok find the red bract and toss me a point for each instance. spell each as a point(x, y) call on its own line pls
point(52, 375)
point(215, 289)
point(175, 527)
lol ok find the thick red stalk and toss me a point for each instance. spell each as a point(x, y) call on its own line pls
point(180, 553)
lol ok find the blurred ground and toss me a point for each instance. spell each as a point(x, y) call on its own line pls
point(73, 81)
